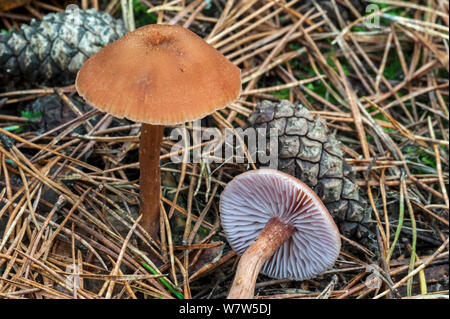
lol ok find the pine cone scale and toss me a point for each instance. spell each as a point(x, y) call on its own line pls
point(52, 51)
point(309, 152)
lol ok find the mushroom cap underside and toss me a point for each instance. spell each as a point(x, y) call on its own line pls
point(251, 199)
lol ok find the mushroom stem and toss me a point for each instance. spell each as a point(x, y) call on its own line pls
point(269, 240)
point(150, 176)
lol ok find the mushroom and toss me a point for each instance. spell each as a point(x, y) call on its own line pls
point(279, 226)
point(157, 75)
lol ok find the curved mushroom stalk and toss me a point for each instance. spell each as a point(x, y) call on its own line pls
point(269, 240)
point(279, 226)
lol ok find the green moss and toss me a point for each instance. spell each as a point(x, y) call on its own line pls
point(419, 156)
point(295, 46)
point(282, 94)
point(393, 69)
point(31, 115)
point(389, 130)
point(357, 28)
point(320, 89)
point(141, 16)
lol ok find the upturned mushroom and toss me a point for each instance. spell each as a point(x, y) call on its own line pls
point(157, 75)
point(279, 226)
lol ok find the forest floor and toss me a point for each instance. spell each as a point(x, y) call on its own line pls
point(377, 72)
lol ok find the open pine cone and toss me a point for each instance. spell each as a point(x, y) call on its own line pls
point(308, 151)
point(52, 51)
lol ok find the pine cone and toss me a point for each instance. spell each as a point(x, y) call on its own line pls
point(52, 51)
point(309, 152)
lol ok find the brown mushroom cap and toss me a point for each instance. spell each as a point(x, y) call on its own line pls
point(251, 199)
point(159, 74)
